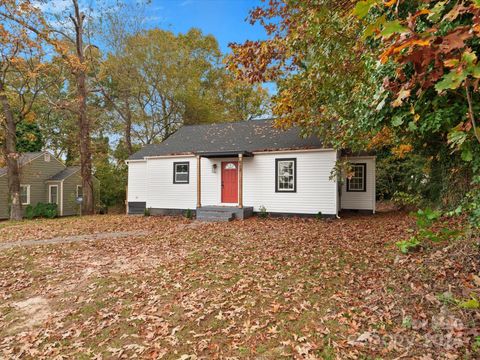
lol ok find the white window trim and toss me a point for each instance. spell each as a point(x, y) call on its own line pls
point(363, 178)
point(28, 194)
point(50, 194)
point(277, 175)
point(79, 186)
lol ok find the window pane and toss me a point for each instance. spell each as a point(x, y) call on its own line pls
point(357, 182)
point(79, 191)
point(181, 173)
point(24, 194)
point(53, 194)
point(181, 177)
point(182, 168)
point(286, 175)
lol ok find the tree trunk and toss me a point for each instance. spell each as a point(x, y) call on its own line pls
point(83, 122)
point(128, 129)
point(11, 157)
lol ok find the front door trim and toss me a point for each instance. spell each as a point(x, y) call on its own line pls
point(229, 182)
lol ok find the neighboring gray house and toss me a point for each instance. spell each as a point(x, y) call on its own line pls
point(228, 170)
point(44, 178)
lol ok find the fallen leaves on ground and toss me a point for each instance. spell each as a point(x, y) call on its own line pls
point(40, 229)
point(267, 289)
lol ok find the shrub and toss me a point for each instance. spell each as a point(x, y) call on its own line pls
point(319, 215)
point(41, 210)
point(263, 212)
point(29, 212)
point(426, 231)
point(406, 200)
point(189, 214)
point(147, 212)
point(407, 246)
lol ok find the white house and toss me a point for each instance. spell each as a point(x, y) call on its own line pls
point(229, 170)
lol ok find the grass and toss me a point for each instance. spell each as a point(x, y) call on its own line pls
point(266, 289)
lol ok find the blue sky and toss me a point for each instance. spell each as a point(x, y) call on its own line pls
point(225, 19)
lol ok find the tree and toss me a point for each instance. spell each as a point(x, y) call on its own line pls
point(157, 81)
point(20, 65)
point(312, 55)
point(29, 137)
point(431, 52)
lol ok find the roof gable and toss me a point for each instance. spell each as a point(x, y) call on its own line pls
point(25, 158)
point(251, 136)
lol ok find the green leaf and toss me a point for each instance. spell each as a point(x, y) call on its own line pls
point(393, 27)
point(471, 304)
point(469, 57)
point(412, 126)
point(452, 81)
point(467, 155)
point(436, 11)
point(397, 120)
point(363, 7)
point(476, 72)
point(456, 138)
point(370, 29)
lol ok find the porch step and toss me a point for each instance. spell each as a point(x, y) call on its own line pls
point(206, 214)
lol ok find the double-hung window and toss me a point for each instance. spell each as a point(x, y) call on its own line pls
point(286, 175)
point(358, 181)
point(53, 194)
point(25, 194)
point(181, 172)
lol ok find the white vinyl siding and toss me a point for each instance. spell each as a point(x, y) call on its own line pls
point(151, 181)
point(361, 200)
point(315, 192)
point(137, 181)
point(162, 192)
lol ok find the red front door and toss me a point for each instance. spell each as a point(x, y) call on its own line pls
point(230, 182)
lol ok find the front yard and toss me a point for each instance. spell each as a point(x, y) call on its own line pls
point(266, 289)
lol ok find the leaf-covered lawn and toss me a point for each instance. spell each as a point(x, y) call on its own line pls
point(69, 226)
point(266, 289)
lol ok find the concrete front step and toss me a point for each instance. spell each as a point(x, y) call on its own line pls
point(223, 213)
point(214, 215)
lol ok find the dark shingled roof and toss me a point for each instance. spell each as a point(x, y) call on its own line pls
point(23, 159)
point(65, 173)
point(254, 135)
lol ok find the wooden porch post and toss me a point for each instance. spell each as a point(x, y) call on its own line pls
point(199, 181)
point(240, 181)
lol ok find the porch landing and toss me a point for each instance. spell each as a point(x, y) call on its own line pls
point(223, 213)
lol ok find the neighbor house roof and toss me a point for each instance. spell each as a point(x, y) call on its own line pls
point(65, 173)
point(23, 159)
point(251, 136)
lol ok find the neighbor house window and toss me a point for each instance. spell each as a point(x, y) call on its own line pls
point(25, 194)
point(286, 175)
point(359, 178)
point(79, 191)
point(53, 194)
point(181, 172)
